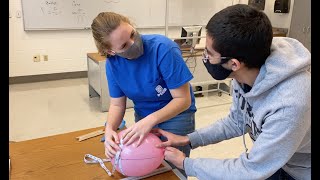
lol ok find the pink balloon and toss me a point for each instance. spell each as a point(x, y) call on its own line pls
point(141, 160)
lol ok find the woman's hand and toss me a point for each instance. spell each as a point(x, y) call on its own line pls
point(137, 131)
point(111, 143)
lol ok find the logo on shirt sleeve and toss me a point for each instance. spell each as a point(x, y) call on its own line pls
point(160, 90)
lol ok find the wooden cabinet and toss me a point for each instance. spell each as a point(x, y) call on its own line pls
point(300, 27)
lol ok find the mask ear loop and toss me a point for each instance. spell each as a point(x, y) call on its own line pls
point(224, 60)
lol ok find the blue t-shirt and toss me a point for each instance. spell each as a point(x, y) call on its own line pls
point(147, 79)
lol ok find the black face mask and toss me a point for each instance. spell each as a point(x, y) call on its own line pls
point(216, 70)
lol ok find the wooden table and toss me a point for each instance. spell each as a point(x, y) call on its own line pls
point(61, 157)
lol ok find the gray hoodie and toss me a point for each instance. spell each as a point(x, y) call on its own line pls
point(276, 113)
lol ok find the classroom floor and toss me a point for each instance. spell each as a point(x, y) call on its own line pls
point(54, 107)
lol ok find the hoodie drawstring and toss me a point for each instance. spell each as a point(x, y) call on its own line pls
point(243, 125)
point(243, 130)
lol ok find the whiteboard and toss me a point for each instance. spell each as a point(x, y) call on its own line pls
point(78, 14)
point(194, 12)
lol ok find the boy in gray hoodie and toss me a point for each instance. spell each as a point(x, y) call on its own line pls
point(271, 101)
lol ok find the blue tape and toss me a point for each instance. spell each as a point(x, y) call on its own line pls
point(121, 126)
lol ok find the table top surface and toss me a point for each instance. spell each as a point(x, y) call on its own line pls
point(96, 56)
point(61, 157)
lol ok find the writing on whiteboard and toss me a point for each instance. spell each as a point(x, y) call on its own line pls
point(78, 12)
point(50, 7)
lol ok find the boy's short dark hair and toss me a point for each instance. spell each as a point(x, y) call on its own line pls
point(242, 32)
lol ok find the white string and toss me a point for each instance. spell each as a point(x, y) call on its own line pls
point(97, 160)
point(117, 162)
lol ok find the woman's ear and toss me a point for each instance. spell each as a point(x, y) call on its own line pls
point(110, 52)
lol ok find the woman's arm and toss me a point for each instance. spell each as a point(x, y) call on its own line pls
point(115, 116)
point(180, 102)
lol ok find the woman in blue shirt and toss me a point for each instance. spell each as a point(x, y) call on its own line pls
point(149, 70)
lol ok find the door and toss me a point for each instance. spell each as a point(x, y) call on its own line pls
point(300, 27)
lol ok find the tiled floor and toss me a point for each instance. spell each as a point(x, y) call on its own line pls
point(54, 107)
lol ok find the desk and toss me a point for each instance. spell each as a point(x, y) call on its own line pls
point(279, 32)
point(97, 81)
point(61, 157)
point(196, 53)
